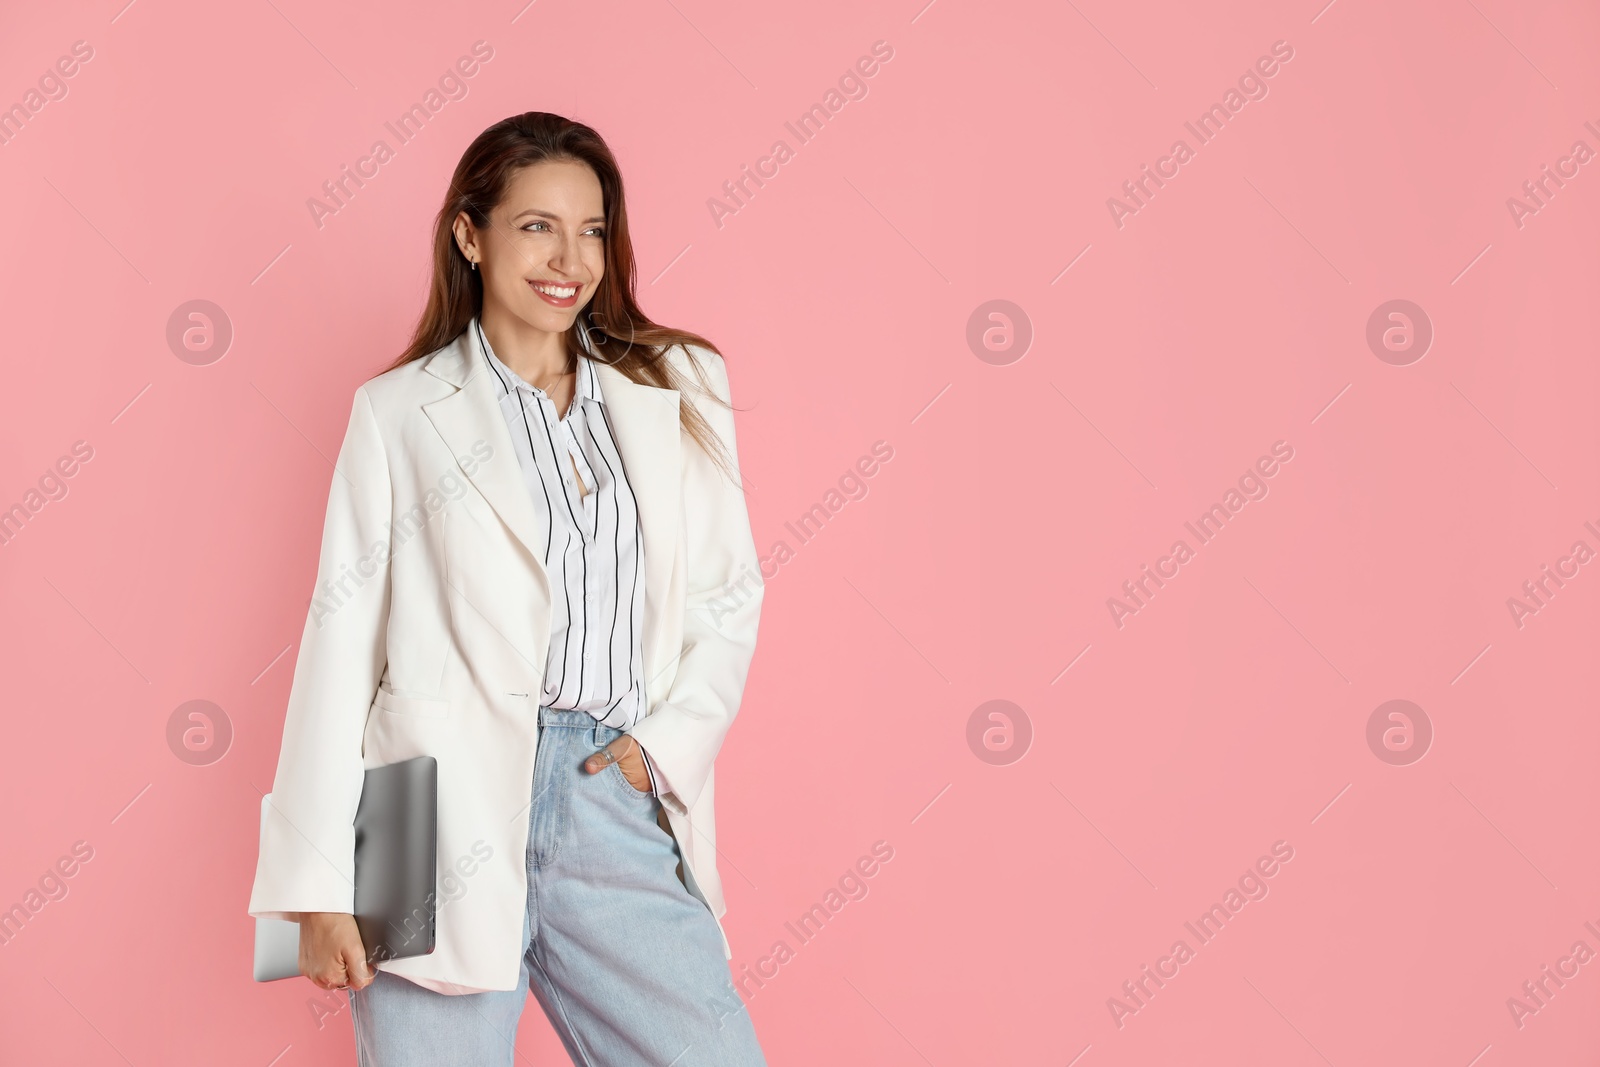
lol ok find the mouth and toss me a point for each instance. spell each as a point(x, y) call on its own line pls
point(557, 294)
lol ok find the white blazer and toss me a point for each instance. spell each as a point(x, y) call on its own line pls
point(429, 631)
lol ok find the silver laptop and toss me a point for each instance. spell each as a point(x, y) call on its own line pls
point(396, 865)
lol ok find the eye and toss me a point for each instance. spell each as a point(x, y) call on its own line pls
point(537, 222)
point(598, 231)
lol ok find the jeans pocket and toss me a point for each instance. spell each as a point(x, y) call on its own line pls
point(614, 772)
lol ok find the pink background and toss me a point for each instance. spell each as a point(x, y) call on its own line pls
point(1229, 313)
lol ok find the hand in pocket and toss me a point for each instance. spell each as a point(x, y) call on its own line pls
point(628, 755)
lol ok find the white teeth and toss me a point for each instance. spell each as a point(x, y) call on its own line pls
point(560, 293)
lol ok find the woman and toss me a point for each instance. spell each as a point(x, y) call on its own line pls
point(536, 567)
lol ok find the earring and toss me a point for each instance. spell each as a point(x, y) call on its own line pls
point(474, 264)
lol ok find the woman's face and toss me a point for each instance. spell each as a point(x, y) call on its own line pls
point(543, 253)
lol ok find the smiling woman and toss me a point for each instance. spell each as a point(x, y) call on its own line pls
point(539, 262)
point(558, 638)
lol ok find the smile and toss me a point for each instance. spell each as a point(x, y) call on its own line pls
point(561, 296)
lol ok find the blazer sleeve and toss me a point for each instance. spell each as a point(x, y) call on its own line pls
point(307, 857)
point(658, 777)
point(722, 611)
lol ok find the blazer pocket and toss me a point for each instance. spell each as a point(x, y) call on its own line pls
point(413, 707)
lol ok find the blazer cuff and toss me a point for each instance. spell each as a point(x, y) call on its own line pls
point(658, 780)
point(686, 742)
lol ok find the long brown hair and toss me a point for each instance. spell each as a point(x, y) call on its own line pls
point(612, 320)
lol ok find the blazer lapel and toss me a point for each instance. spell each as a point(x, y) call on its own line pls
point(472, 414)
point(644, 422)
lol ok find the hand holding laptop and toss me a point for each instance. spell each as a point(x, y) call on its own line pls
point(331, 953)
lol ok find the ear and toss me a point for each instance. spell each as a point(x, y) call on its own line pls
point(466, 235)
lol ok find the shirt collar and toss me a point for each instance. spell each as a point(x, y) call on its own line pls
point(587, 386)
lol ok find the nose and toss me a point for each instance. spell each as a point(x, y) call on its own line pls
point(565, 256)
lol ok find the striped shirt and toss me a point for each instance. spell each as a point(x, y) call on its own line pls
point(593, 551)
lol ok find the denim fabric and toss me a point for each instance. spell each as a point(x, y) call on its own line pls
point(626, 963)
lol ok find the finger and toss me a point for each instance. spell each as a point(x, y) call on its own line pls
point(358, 974)
point(333, 975)
point(608, 755)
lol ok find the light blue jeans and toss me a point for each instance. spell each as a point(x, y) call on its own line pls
point(627, 965)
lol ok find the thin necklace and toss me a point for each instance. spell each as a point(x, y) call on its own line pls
point(571, 369)
point(572, 363)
